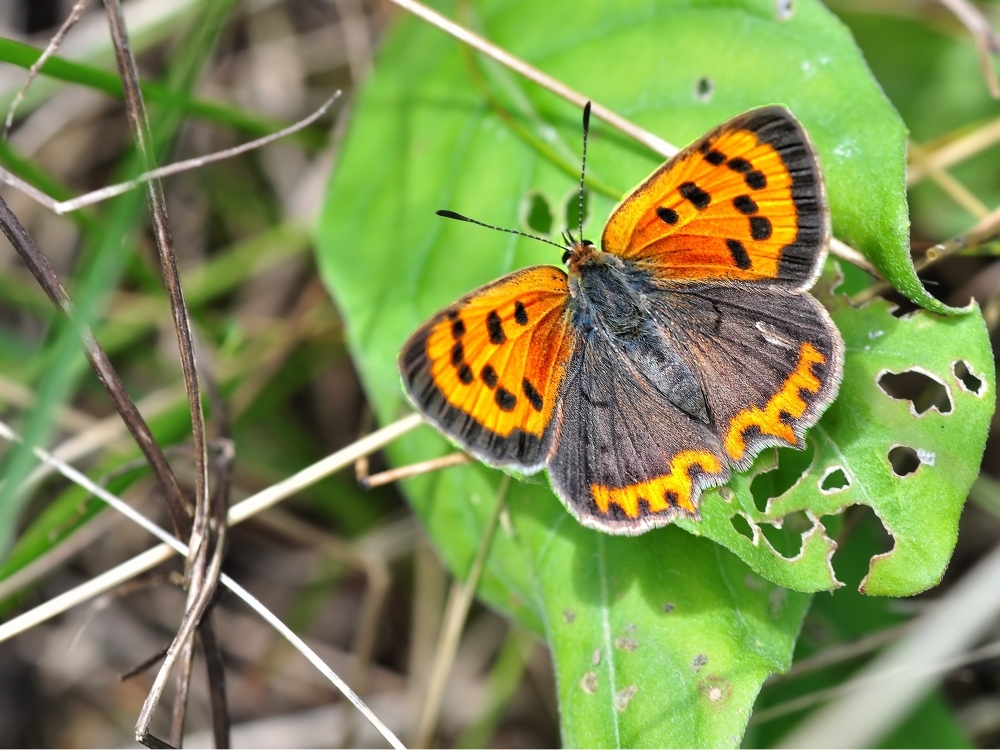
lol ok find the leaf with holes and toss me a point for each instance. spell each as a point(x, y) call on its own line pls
point(436, 127)
point(905, 437)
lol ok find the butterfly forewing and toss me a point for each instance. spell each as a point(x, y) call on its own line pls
point(745, 202)
point(487, 370)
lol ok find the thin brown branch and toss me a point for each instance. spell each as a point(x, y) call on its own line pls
point(53, 287)
point(405, 472)
point(136, 111)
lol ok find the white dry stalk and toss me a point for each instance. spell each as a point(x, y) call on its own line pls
point(88, 199)
point(179, 547)
point(254, 504)
point(892, 684)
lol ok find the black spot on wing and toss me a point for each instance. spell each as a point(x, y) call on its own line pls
point(715, 157)
point(745, 205)
point(740, 165)
point(489, 376)
point(739, 253)
point(495, 327)
point(756, 180)
point(520, 314)
point(505, 399)
point(698, 197)
point(760, 227)
point(533, 395)
point(667, 215)
point(457, 354)
point(465, 374)
point(457, 328)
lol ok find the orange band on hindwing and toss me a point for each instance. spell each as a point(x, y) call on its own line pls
point(661, 493)
point(788, 401)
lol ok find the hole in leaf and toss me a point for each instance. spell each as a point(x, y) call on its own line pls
point(742, 525)
point(787, 541)
point(834, 480)
point(920, 389)
point(784, 9)
point(967, 380)
point(792, 464)
point(904, 460)
point(573, 212)
point(703, 89)
point(539, 215)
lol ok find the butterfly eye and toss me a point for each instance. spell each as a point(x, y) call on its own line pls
point(588, 243)
point(566, 255)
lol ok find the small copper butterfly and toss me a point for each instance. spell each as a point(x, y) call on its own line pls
point(654, 366)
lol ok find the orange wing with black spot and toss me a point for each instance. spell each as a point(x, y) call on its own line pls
point(487, 370)
point(745, 202)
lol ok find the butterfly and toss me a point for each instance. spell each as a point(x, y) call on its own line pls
point(657, 364)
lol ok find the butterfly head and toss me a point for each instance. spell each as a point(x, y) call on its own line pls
point(580, 253)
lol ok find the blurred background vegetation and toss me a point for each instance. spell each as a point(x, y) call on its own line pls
point(351, 571)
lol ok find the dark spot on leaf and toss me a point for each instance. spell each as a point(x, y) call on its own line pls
point(623, 696)
point(668, 607)
point(904, 460)
point(626, 644)
point(569, 616)
point(698, 662)
point(703, 89)
point(922, 391)
point(588, 683)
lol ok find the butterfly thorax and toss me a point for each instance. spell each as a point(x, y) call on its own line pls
point(610, 308)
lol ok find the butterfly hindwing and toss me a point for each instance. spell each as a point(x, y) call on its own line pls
point(627, 459)
point(795, 351)
point(745, 202)
point(487, 369)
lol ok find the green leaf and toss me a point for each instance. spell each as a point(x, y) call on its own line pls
point(437, 128)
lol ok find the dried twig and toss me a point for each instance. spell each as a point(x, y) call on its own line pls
point(405, 472)
point(103, 194)
point(50, 283)
point(987, 41)
point(985, 230)
point(237, 514)
point(175, 546)
point(74, 16)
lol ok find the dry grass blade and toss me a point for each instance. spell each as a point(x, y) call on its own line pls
point(237, 514)
point(53, 287)
point(413, 470)
point(459, 600)
point(179, 547)
point(888, 688)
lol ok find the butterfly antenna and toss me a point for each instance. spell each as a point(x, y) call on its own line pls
point(458, 217)
point(583, 166)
